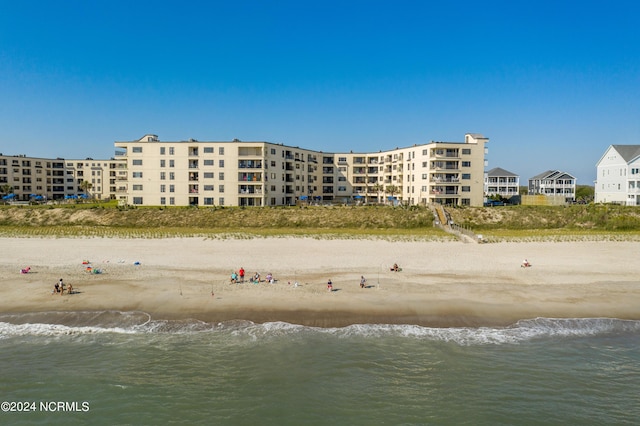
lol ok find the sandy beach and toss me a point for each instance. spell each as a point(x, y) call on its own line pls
point(441, 283)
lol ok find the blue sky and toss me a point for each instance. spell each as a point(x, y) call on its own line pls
point(551, 83)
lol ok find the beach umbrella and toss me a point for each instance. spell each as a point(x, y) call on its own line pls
point(8, 196)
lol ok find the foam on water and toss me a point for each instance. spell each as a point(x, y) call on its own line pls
point(83, 323)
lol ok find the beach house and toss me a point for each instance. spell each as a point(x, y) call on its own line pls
point(498, 181)
point(618, 176)
point(554, 184)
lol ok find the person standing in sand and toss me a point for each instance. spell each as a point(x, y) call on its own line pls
point(329, 285)
point(362, 281)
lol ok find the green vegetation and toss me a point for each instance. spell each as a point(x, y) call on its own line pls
point(586, 220)
point(518, 223)
point(327, 222)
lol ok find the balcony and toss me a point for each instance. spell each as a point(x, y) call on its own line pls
point(250, 164)
point(249, 190)
point(444, 165)
point(250, 177)
point(445, 153)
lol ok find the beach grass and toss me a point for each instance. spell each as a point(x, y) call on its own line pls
point(509, 223)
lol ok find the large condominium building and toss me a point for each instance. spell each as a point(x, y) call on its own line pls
point(238, 173)
point(28, 178)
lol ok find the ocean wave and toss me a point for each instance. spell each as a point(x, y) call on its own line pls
point(83, 323)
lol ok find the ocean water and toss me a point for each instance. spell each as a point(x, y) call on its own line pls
point(123, 368)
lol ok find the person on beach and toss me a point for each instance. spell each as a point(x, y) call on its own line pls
point(270, 279)
point(241, 272)
point(525, 264)
point(395, 267)
point(256, 278)
point(61, 286)
point(69, 289)
point(329, 285)
point(362, 281)
point(234, 278)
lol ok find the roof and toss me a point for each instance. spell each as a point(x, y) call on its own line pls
point(628, 152)
point(497, 171)
point(552, 174)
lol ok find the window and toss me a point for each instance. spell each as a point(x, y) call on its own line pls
point(221, 188)
point(466, 188)
point(172, 201)
point(137, 187)
point(172, 188)
point(208, 201)
point(136, 175)
point(466, 164)
point(208, 150)
point(273, 163)
point(424, 176)
point(172, 163)
point(221, 163)
point(137, 200)
point(137, 149)
point(221, 150)
point(273, 151)
point(162, 150)
point(137, 162)
point(163, 175)
point(208, 187)
point(208, 162)
point(465, 201)
point(221, 176)
point(172, 176)
point(221, 201)
point(208, 175)
point(163, 163)
point(163, 201)
point(342, 159)
point(466, 151)
point(466, 176)
point(163, 188)
point(342, 188)
point(172, 150)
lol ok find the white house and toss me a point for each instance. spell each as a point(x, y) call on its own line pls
point(501, 182)
point(618, 176)
point(553, 183)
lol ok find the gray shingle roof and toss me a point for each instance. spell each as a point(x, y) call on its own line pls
point(628, 152)
point(497, 171)
point(552, 174)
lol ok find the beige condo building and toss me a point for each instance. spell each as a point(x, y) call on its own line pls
point(26, 179)
point(239, 173)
